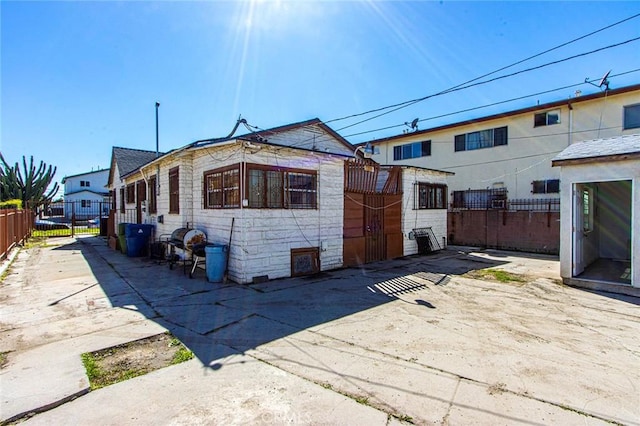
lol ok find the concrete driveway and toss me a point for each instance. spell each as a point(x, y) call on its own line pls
point(413, 340)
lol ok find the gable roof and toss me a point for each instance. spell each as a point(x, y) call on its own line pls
point(83, 174)
point(610, 149)
point(129, 160)
point(263, 135)
point(506, 114)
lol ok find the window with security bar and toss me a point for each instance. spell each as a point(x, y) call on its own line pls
point(222, 188)
point(482, 139)
point(431, 196)
point(281, 188)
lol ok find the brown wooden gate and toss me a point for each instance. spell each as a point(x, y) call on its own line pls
point(372, 213)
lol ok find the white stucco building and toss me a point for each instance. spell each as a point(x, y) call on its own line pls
point(86, 194)
point(600, 214)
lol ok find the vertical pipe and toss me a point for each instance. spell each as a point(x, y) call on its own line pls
point(157, 154)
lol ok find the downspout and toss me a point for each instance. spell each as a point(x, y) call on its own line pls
point(570, 135)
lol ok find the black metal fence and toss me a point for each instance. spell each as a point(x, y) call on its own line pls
point(497, 199)
point(70, 218)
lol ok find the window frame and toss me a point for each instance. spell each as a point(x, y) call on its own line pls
point(417, 149)
point(174, 190)
point(152, 190)
point(282, 195)
point(545, 186)
point(426, 196)
point(547, 117)
point(481, 139)
point(227, 191)
point(131, 193)
point(122, 200)
point(635, 124)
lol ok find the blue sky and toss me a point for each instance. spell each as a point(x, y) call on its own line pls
point(78, 78)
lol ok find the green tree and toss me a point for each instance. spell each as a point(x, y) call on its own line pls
point(29, 184)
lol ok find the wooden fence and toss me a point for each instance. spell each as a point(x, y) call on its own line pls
point(15, 226)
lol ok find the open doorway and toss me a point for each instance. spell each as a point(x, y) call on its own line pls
point(602, 231)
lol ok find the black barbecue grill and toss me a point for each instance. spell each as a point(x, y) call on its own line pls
point(192, 242)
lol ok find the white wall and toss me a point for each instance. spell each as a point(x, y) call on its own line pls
point(528, 154)
point(419, 218)
point(263, 238)
point(597, 172)
point(97, 182)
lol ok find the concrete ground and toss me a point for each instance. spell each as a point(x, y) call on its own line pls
point(398, 342)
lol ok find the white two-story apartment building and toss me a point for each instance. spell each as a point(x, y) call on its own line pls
point(86, 195)
point(507, 156)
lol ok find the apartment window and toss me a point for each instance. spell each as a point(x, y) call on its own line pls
point(153, 194)
point(174, 190)
point(85, 183)
point(412, 150)
point(546, 118)
point(278, 188)
point(85, 203)
point(222, 188)
point(131, 193)
point(122, 200)
point(481, 139)
point(549, 186)
point(431, 196)
point(632, 116)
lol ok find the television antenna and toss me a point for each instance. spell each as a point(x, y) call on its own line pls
point(602, 82)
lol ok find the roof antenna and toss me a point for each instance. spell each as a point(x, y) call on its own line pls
point(240, 120)
point(603, 81)
point(413, 124)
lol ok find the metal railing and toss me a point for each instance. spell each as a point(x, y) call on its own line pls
point(15, 227)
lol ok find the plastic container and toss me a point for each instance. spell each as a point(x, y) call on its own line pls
point(137, 230)
point(137, 238)
point(216, 261)
point(121, 227)
point(123, 243)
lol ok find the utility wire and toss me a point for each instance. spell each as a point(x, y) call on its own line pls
point(415, 101)
point(487, 105)
point(490, 73)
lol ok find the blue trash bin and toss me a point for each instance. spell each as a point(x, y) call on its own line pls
point(137, 238)
point(216, 261)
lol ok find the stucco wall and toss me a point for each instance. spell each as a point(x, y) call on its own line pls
point(597, 172)
point(528, 154)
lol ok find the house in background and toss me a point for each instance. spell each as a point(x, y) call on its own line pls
point(125, 161)
point(600, 216)
point(502, 165)
point(86, 195)
point(299, 200)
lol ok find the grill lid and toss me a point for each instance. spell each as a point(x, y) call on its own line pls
point(187, 238)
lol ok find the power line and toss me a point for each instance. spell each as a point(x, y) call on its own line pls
point(490, 73)
point(415, 101)
point(487, 105)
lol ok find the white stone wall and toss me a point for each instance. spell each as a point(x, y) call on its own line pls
point(419, 218)
point(263, 238)
point(312, 138)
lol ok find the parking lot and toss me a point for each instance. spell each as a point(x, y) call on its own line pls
point(422, 340)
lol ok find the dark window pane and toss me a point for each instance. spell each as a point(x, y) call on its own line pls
point(460, 142)
point(500, 136)
point(632, 116)
point(540, 119)
point(426, 148)
point(553, 186)
point(538, 186)
point(256, 188)
point(553, 117)
point(397, 153)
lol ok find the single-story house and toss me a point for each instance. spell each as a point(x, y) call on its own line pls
point(600, 214)
point(300, 198)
